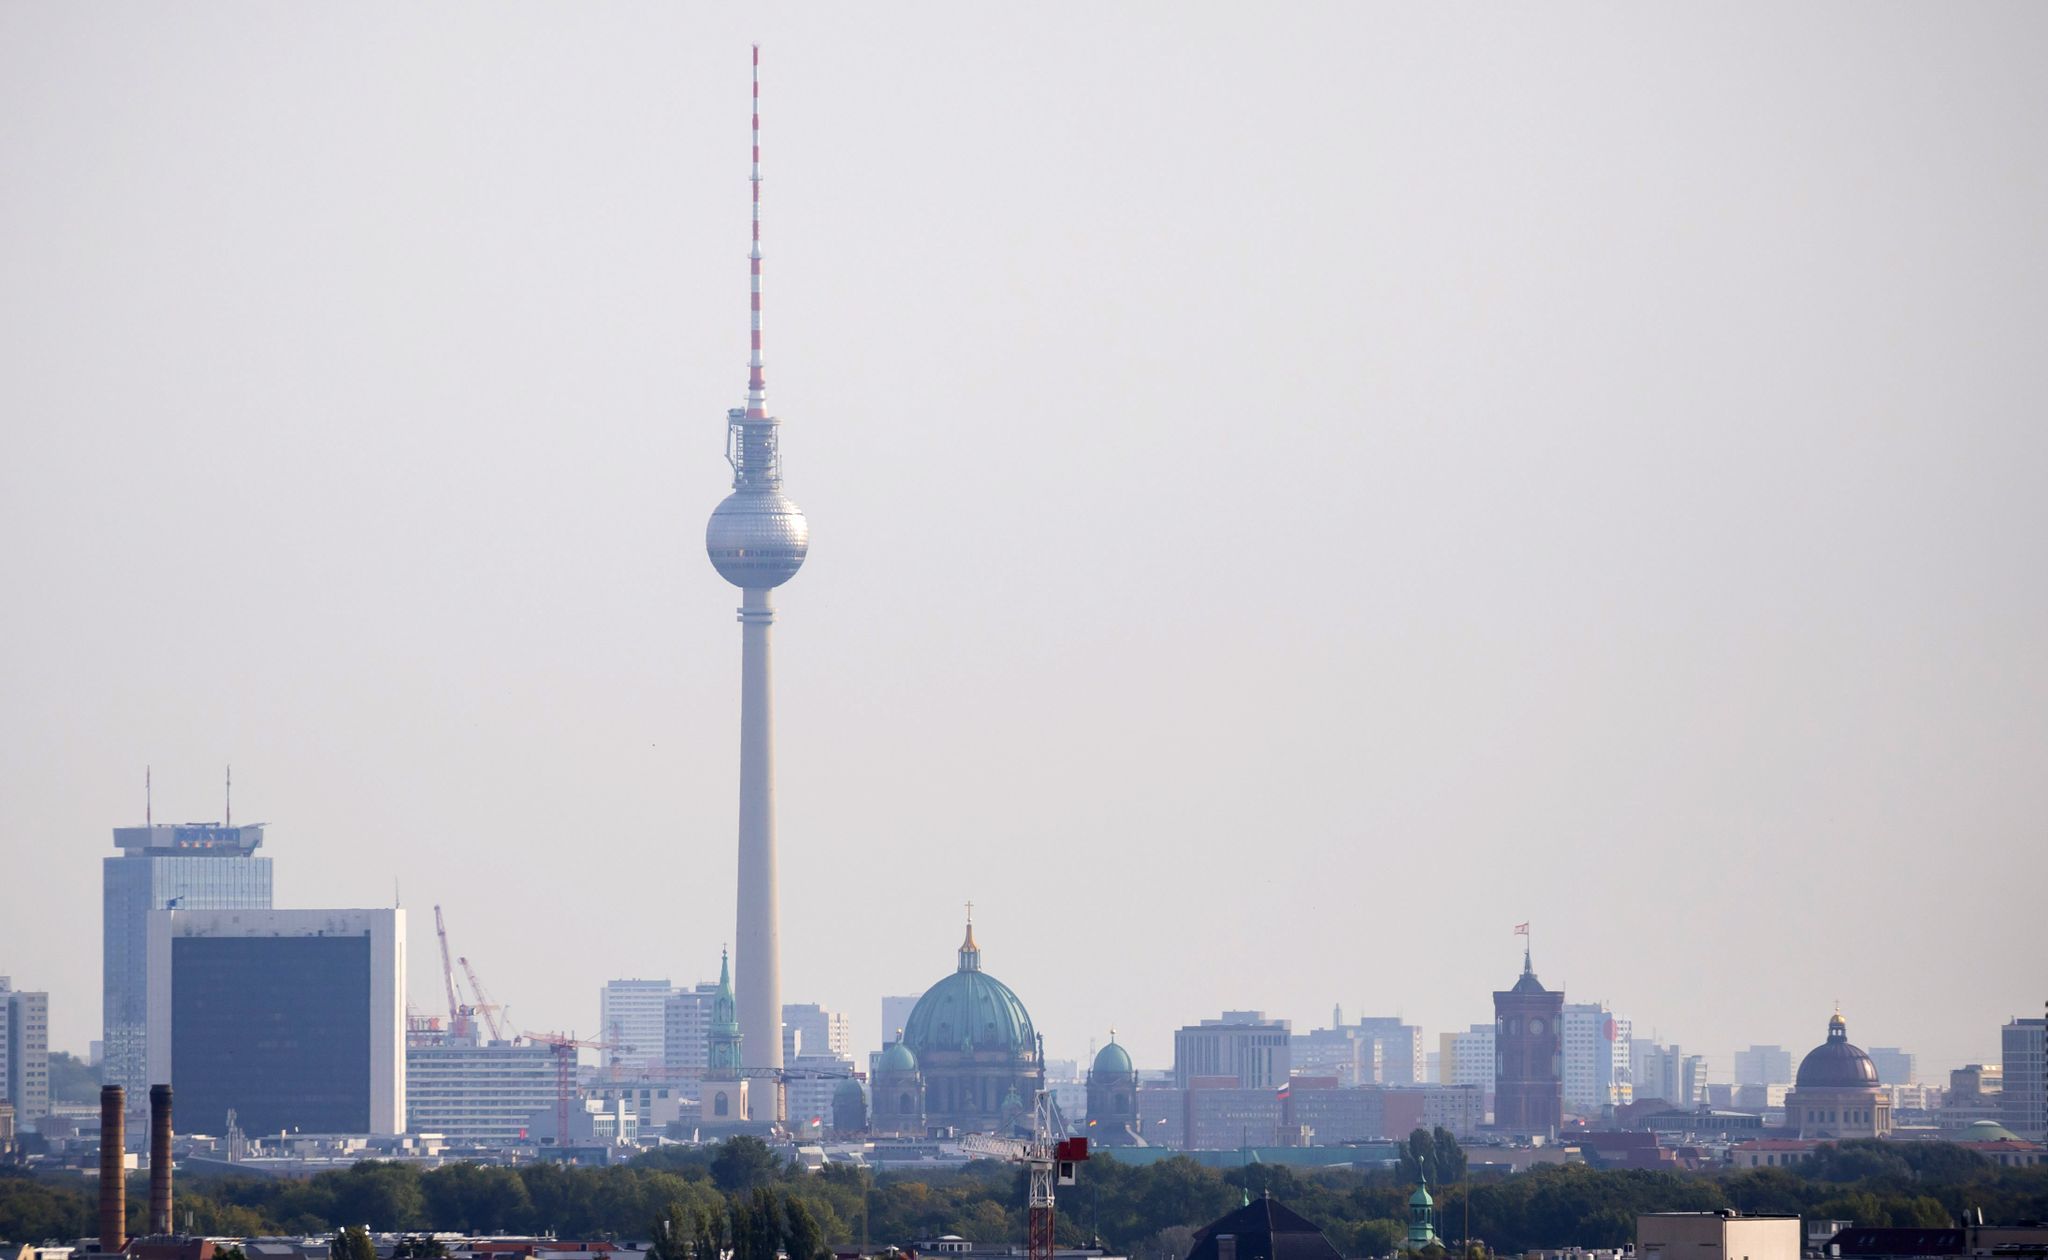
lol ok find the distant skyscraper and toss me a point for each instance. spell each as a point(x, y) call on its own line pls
point(686, 1016)
point(1596, 1059)
point(896, 1014)
point(810, 1029)
point(1528, 1090)
point(187, 866)
point(1894, 1066)
point(757, 539)
point(1402, 1061)
point(1468, 1058)
point(1763, 1065)
point(24, 1052)
point(634, 1018)
point(292, 1019)
point(2024, 1102)
point(1243, 1044)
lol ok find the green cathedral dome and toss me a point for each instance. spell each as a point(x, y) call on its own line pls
point(970, 1010)
point(1113, 1059)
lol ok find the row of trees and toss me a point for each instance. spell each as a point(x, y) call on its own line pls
point(738, 1197)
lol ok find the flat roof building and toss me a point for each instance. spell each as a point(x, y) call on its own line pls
point(292, 1019)
point(1717, 1236)
point(169, 866)
point(471, 1091)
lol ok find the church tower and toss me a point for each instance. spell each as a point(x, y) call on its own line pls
point(724, 1103)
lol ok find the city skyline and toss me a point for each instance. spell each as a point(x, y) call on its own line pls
point(1360, 466)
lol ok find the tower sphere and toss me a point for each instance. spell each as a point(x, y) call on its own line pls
point(757, 538)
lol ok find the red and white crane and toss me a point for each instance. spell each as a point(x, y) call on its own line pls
point(1050, 1158)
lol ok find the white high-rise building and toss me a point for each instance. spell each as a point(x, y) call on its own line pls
point(1596, 1058)
point(686, 1040)
point(757, 539)
point(633, 1016)
point(1472, 1057)
point(24, 1052)
point(471, 1091)
point(810, 1029)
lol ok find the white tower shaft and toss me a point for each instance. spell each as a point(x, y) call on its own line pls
point(757, 970)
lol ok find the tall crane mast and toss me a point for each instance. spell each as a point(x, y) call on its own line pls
point(564, 1048)
point(458, 1016)
point(1050, 1158)
point(484, 1006)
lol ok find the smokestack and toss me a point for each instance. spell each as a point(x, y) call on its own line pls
point(113, 1168)
point(159, 1159)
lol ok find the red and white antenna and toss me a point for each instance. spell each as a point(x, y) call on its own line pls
point(756, 386)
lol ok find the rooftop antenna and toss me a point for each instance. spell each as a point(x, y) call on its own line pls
point(148, 799)
point(230, 798)
point(756, 386)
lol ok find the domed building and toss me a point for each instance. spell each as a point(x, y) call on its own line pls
point(898, 1094)
point(1113, 1097)
point(1836, 1093)
point(971, 1046)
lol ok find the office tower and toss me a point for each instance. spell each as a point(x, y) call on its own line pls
point(1894, 1066)
point(633, 1016)
point(292, 1019)
point(186, 866)
point(1467, 1058)
point(24, 1053)
point(1243, 1044)
point(1528, 1091)
point(475, 1092)
point(2023, 1102)
point(757, 539)
point(1763, 1065)
point(1596, 1060)
point(896, 1014)
point(686, 1019)
point(810, 1029)
point(1402, 1061)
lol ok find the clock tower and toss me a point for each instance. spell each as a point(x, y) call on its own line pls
point(1528, 1062)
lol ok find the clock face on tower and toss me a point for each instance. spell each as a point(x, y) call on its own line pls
point(1536, 1026)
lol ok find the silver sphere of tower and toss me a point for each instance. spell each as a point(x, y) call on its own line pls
point(757, 538)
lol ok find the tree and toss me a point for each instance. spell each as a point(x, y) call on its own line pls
point(742, 1163)
point(804, 1239)
point(353, 1243)
point(1449, 1157)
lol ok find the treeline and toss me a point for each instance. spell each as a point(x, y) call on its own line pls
point(736, 1197)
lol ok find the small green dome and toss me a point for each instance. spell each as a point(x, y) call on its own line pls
point(1113, 1060)
point(970, 1010)
point(849, 1091)
point(1421, 1198)
point(898, 1058)
point(1988, 1131)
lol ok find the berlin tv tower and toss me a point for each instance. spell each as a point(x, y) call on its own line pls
point(757, 539)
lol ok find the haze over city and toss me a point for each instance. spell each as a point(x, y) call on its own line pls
point(1293, 495)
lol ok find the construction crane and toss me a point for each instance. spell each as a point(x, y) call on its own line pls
point(483, 1006)
point(1050, 1158)
point(459, 1023)
point(783, 1076)
point(564, 1047)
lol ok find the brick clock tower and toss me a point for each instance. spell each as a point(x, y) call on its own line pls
point(1528, 1057)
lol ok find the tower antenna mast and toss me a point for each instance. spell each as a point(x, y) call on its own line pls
point(230, 806)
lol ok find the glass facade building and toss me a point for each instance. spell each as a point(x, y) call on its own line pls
point(191, 866)
point(274, 1028)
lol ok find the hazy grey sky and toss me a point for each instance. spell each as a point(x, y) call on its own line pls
point(1295, 491)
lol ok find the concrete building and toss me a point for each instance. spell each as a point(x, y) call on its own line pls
point(686, 1031)
point(1221, 1116)
point(186, 866)
point(471, 1091)
point(292, 1019)
point(1468, 1059)
point(1763, 1065)
point(1528, 1089)
point(1596, 1059)
point(633, 1015)
point(2023, 1105)
point(757, 539)
point(1717, 1236)
point(1894, 1066)
point(24, 1053)
point(1836, 1093)
point(1244, 1046)
point(1667, 1073)
point(896, 1015)
point(811, 1030)
point(1346, 1054)
point(1402, 1060)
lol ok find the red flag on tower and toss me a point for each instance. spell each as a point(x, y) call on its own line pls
point(1521, 929)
